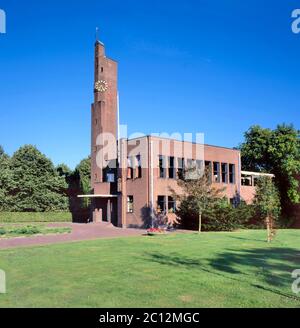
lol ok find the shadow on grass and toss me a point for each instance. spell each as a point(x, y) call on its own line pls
point(267, 269)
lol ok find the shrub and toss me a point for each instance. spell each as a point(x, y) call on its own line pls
point(19, 217)
point(28, 230)
point(222, 216)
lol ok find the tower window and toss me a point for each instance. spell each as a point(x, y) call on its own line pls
point(109, 175)
point(102, 69)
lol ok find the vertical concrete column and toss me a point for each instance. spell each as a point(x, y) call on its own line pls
point(97, 215)
point(122, 198)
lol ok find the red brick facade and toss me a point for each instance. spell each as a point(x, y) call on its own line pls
point(148, 166)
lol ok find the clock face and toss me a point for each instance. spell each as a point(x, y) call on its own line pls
point(101, 86)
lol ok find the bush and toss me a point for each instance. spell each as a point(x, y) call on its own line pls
point(29, 230)
point(19, 217)
point(222, 216)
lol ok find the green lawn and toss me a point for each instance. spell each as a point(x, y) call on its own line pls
point(182, 270)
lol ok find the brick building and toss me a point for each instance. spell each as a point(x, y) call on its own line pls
point(131, 179)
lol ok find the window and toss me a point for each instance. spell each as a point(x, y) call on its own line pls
point(109, 175)
point(199, 164)
point(180, 168)
point(102, 69)
point(190, 163)
point(208, 169)
point(216, 172)
point(129, 168)
point(246, 180)
point(162, 167)
point(161, 204)
point(231, 173)
point(171, 168)
point(139, 167)
point(224, 173)
point(130, 204)
point(171, 204)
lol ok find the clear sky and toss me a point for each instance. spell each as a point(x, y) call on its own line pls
point(212, 66)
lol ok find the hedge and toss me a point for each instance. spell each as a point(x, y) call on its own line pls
point(16, 217)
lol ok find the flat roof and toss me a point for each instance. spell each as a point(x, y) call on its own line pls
point(97, 196)
point(171, 139)
point(261, 174)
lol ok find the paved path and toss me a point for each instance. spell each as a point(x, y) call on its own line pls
point(79, 232)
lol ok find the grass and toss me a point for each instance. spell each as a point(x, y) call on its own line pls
point(26, 230)
point(182, 270)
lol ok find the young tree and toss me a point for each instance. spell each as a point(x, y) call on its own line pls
point(267, 203)
point(198, 194)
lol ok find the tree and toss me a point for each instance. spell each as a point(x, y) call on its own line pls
point(1, 151)
point(63, 170)
point(5, 181)
point(36, 185)
point(278, 152)
point(83, 171)
point(198, 194)
point(267, 203)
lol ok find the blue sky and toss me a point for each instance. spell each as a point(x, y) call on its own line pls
point(184, 66)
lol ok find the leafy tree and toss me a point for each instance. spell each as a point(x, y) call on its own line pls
point(83, 171)
point(198, 194)
point(36, 185)
point(63, 170)
point(267, 203)
point(5, 181)
point(1, 151)
point(278, 152)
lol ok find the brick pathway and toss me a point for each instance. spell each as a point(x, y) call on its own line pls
point(79, 232)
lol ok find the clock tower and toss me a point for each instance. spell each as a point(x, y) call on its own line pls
point(104, 123)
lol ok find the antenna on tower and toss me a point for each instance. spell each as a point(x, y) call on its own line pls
point(97, 33)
